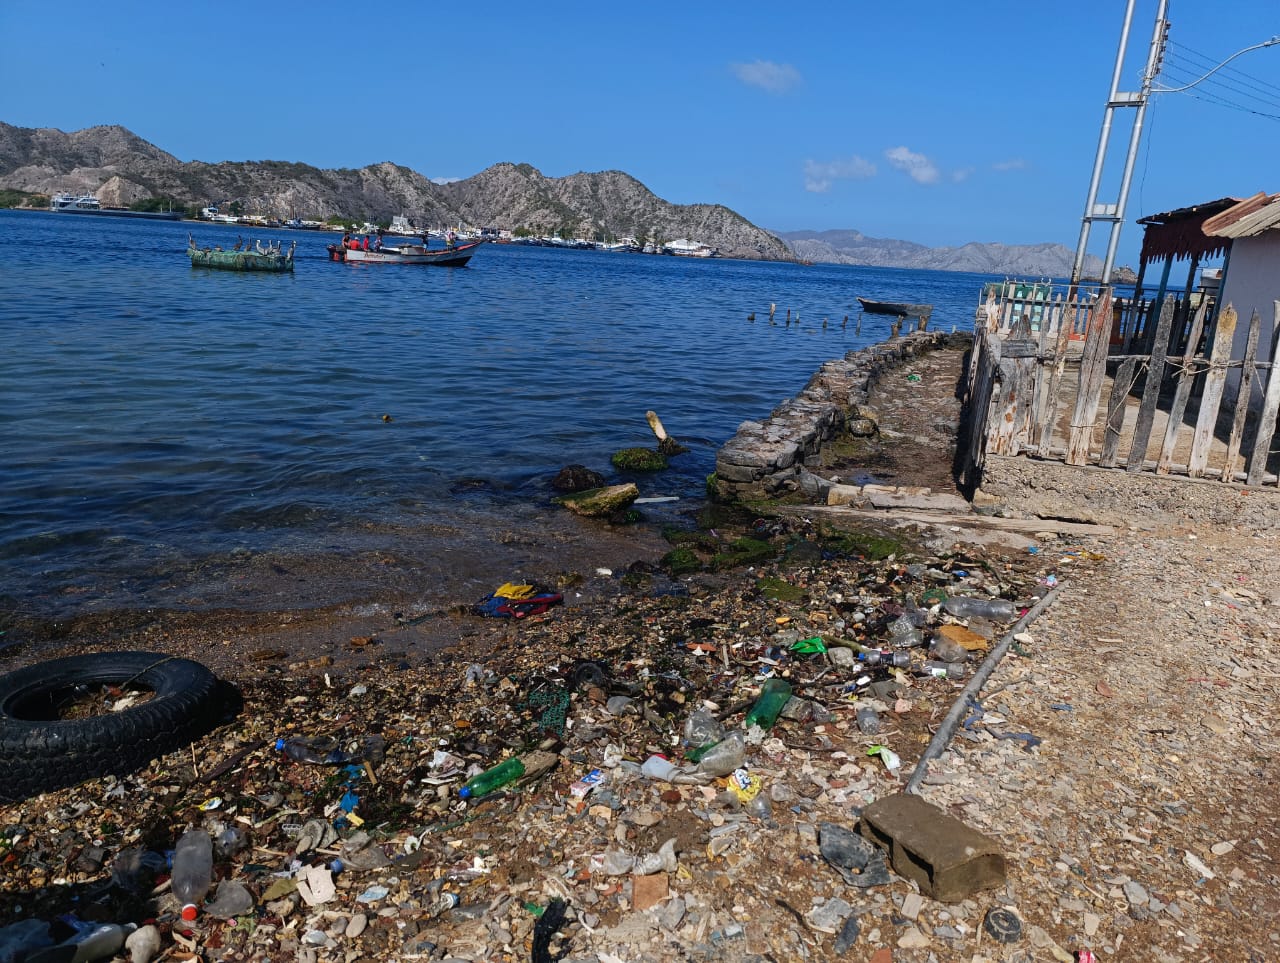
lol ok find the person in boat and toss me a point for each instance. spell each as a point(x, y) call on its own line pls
point(365, 243)
point(377, 242)
point(450, 238)
point(346, 240)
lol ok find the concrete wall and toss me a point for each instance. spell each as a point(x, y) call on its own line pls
point(1252, 284)
point(769, 457)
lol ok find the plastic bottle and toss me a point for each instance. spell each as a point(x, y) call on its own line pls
point(725, 756)
point(495, 778)
point(658, 767)
point(944, 670)
point(313, 751)
point(904, 633)
point(442, 904)
point(963, 607)
point(948, 651)
point(192, 870)
point(774, 694)
point(701, 731)
point(868, 720)
point(884, 657)
point(96, 941)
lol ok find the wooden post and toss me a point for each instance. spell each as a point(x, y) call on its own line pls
point(1151, 390)
point(1267, 419)
point(1212, 398)
point(1016, 415)
point(1186, 378)
point(1245, 388)
point(1093, 368)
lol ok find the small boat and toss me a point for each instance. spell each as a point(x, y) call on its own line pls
point(89, 204)
point(406, 254)
point(897, 308)
point(251, 258)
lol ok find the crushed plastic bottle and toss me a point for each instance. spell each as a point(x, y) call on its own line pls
point(964, 607)
point(725, 756)
point(93, 941)
point(659, 767)
point(491, 779)
point(774, 694)
point(944, 670)
point(327, 752)
point(904, 633)
point(701, 731)
point(868, 720)
point(192, 870)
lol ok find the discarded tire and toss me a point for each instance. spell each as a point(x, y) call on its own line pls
point(40, 751)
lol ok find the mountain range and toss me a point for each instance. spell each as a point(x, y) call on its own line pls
point(122, 169)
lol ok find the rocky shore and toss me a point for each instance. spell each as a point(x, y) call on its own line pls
point(1121, 756)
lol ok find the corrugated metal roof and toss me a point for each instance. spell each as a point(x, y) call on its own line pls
point(1249, 218)
point(1204, 208)
point(1180, 234)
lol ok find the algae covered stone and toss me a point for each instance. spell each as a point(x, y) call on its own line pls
point(597, 502)
point(638, 459)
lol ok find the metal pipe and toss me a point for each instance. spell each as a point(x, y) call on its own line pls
point(948, 727)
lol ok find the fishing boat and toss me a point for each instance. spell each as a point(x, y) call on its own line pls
point(406, 254)
point(897, 308)
point(251, 258)
point(88, 204)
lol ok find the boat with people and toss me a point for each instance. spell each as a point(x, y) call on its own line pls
point(457, 255)
point(898, 309)
point(89, 204)
point(245, 256)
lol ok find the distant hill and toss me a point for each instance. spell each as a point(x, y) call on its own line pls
point(1019, 260)
point(122, 168)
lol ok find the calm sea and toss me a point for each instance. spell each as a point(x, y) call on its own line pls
point(178, 437)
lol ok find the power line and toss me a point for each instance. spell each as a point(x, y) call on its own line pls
point(1257, 46)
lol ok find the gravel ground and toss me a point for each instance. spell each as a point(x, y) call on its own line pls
point(1133, 802)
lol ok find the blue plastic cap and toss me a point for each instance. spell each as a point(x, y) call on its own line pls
point(465, 792)
point(279, 744)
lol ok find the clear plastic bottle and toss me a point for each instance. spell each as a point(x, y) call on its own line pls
point(944, 670)
point(964, 607)
point(948, 651)
point(314, 751)
point(868, 720)
point(495, 778)
point(192, 870)
point(774, 694)
point(725, 756)
point(884, 657)
point(658, 767)
point(96, 941)
point(904, 633)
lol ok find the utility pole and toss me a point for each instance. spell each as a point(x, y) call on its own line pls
point(1114, 213)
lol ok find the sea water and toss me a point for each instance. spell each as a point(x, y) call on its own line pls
point(163, 426)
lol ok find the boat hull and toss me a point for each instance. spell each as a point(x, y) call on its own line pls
point(407, 254)
point(123, 212)
point(896, 308)
point(241, 261)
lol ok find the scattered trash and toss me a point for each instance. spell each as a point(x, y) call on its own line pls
point(1003, 925)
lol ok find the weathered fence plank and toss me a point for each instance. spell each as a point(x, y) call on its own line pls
point(1242, 398)
point(1270, 406)
point(1212, 398)
point(1186, 378)
point(1044, 429)
point(1093, 369)
point(1151, 390)
point(1116, 407)
point(1013, 418)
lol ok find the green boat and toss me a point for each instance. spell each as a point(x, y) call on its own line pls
point(252, 257)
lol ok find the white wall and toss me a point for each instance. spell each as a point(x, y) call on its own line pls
point(1252, 284)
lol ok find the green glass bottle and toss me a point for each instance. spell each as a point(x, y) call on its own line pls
point(491, 779)
point(774, 694)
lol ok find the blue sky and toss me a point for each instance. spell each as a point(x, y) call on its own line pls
point(934, 122)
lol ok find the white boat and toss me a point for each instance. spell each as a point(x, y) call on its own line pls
point(89, 204)
point(406, 254)
point(683, 247)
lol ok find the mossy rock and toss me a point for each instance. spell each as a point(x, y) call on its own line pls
point(638, 459)
point(681, 561)
point(744, 551)
point(599, 502)
point(874, 547)
point(779, 589)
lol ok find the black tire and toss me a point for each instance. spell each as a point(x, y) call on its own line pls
point(40, 752)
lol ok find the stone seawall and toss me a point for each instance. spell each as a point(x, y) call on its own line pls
point(769, 457)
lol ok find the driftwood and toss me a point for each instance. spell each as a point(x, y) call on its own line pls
point(666, 444)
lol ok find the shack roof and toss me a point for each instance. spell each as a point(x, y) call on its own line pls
point(1249, 218)
point(1180, 233)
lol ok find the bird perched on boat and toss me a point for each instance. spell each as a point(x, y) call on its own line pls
point(239, 243)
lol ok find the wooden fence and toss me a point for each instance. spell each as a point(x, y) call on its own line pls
point(1044, 355)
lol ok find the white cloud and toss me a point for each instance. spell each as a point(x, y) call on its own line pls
point(775, 78)
point(916, 166)
point(1013, 164)
point(961, 174)
point(445, 180)
point(818, 175)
